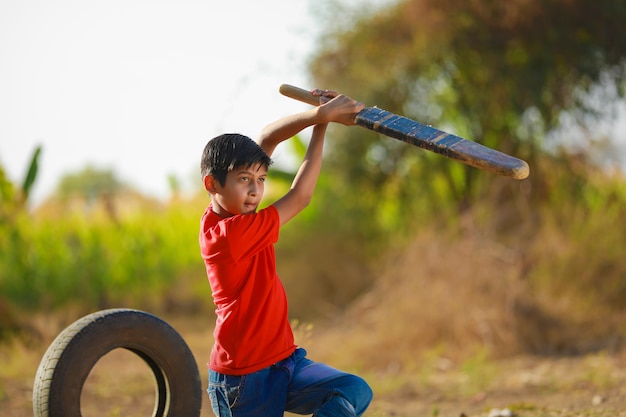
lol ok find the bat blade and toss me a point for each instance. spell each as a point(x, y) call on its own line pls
point(427, 137)
point(442, 143)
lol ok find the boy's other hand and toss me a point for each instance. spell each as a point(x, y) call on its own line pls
point(339, 108)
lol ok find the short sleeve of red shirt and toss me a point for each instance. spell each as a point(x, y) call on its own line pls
point(252, 328)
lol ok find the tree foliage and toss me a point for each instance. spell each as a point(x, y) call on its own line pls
point(500, 73)
point(89, 183)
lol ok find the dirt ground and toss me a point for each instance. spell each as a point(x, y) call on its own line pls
point(592, 385)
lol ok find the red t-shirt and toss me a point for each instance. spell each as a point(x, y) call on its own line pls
point(252, 330)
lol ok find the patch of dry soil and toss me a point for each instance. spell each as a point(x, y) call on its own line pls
point(593, 385)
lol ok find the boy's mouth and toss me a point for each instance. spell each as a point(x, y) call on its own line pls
point(251, 207)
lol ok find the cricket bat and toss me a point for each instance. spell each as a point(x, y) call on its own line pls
point(427, 137)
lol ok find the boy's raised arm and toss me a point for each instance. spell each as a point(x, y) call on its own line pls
point(340, 109)
point(334, 108)
point(303, 185)
point(285, 128)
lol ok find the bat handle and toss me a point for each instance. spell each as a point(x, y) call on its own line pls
point(299, 94)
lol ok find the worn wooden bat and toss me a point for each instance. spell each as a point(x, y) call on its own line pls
point(427, 137)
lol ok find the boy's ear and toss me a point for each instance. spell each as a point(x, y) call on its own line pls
point(209, 184)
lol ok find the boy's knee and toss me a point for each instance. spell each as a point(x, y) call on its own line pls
point(362, 394)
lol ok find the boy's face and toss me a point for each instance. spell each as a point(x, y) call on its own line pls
point(242, 192)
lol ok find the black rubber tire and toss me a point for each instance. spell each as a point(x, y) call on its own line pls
point(71, 356)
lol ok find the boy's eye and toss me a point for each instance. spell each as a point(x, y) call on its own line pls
point(246, 178)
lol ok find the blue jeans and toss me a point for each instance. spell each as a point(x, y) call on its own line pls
point(296, 384)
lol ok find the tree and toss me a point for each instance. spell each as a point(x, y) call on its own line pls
point(500, 73)
point(89, 183)
point(92, 185)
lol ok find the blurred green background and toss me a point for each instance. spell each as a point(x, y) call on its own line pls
point(400, 247)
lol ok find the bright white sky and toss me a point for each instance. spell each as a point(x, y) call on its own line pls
point(139, 86)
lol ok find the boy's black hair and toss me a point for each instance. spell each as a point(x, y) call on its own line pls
point(229, 151)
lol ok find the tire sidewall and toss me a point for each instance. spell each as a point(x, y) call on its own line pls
point(86, 341)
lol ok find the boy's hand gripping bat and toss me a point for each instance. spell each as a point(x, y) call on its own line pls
point(427, 137)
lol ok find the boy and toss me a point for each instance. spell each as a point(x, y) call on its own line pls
point(255, 368)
